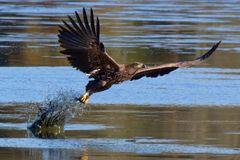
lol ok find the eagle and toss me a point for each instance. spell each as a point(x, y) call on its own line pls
point(80, 40)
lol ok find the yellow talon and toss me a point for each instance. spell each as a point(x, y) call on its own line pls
point(84, 98)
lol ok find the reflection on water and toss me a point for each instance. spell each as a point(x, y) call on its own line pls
point(131, 30)
point(129, 132)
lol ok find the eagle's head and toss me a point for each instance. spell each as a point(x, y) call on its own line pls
point(137, 65)
point(133, 67)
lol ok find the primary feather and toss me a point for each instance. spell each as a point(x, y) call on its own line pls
point(81, 43)
point(167, 68)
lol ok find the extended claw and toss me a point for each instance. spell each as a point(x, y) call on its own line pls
point(84, 98)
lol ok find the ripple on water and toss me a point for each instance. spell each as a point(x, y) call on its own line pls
point(67, 127)
point(116, 145)
point(31, 25)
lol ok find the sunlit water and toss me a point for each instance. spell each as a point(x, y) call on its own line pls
point(188, 114)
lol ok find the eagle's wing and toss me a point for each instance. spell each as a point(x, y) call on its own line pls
point(81, 44)
point(167, 68)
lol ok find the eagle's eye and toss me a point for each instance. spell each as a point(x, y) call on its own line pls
point(140, 65)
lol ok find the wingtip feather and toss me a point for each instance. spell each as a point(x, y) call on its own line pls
point(92, 22)
point(85, 19)
point(209, 53)
point(98, 29)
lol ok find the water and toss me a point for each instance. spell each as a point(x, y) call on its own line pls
point(128, 132)
point(150, 32)
point(53, 114)
point(191, 86)
point(189, 114)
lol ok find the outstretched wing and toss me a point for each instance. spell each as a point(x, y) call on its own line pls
point(167, 68)
point(81, 43)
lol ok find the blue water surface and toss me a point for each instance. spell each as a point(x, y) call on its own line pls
point(191, 86)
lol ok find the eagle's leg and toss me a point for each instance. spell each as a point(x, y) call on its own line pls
point(84, 98)
point(93, 86)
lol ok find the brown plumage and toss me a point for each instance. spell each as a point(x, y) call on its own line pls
point(81, 42)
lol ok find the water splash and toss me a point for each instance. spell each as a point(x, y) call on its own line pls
point(53, 113)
